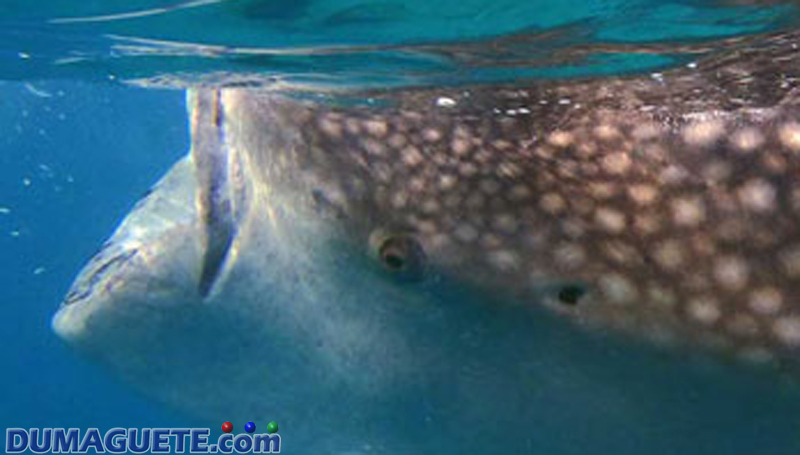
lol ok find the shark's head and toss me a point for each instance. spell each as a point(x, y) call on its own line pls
point(401, 260)
point(253, 283)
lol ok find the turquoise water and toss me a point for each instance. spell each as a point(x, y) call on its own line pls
point(355, 42)
point(91, 114)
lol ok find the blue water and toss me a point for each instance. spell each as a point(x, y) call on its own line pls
point(81, 140)
point(72, 164)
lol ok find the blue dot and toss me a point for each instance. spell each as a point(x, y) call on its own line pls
point(249, 427)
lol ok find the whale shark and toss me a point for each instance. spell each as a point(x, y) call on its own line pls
point(469, 268)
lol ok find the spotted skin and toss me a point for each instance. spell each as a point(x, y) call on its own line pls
point(672, 199)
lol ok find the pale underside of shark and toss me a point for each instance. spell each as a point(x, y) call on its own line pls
point(425, 257)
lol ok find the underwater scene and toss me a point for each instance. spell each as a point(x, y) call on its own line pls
point(394, 227)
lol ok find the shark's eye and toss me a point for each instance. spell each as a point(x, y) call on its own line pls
point(571, 294)
point(403, 255)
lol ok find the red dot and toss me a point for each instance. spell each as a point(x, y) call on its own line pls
point(227, 427)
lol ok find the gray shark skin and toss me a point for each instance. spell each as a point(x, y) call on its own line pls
point(448, 270)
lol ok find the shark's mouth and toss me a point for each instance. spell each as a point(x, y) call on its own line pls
point(101, 269)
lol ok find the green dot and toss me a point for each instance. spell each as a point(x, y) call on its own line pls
point(272, 427)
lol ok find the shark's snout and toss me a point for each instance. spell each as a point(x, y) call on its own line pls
point(149, 262)
point(104, 272)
